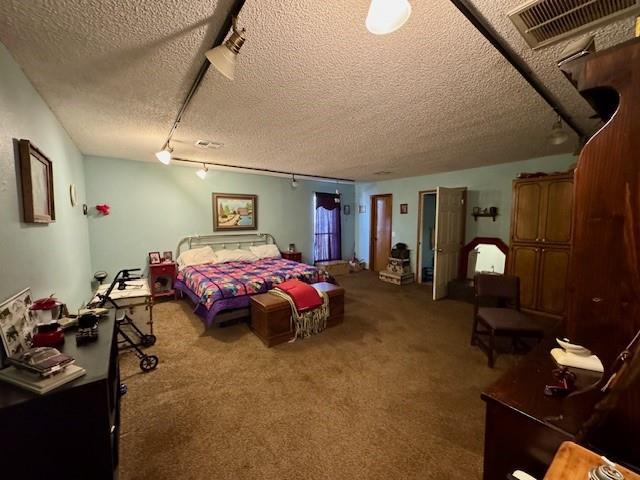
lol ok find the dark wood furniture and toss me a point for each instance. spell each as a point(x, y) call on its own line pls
point(271, 315)
point(524, 427)
point(503, 318)
point(541, 240)
point(293, 256)
point(573, 461)
point(72, 431)
point(161, 279)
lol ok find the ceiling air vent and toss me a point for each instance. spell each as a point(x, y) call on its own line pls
point(542, 22)
point(208, 144)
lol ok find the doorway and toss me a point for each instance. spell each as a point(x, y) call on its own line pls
point(380, 233)
point(448, 236)
point(427, 236)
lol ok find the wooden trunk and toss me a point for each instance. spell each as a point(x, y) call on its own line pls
point(541, 241)
point(271, 315)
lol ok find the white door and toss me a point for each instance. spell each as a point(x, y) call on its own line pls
point(449, 218)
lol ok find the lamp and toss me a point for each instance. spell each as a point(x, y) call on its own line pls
point(558, 134)
point(294, 184)
point(223, 57)
point(202, 173)
point(386, 16)
point(164, 155)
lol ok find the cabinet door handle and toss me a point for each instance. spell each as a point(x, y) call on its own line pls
point(544, 239)
point(596, 299)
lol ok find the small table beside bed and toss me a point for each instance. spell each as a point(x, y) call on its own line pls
point(221, 279)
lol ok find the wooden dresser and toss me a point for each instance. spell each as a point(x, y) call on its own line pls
point(72, 431)
point(541, 241)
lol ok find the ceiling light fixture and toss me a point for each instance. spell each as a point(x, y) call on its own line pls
point(558, 134)
point(202, 173)
point(386, 16)
point(223, 57)
point(294, 184)
point(164, 155)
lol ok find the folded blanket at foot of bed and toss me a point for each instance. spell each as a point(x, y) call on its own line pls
point(309, 307)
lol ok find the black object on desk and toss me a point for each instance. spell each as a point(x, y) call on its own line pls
point(72, 431)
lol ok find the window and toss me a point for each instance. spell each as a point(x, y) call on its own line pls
point(327, 239)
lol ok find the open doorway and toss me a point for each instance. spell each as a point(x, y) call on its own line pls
point(439, 246)
point(427, 238)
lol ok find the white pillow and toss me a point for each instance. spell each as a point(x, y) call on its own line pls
point(237, 255)
point(196, 256)
point(266, 251)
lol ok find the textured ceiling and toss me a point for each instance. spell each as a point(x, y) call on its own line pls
point(314, 92)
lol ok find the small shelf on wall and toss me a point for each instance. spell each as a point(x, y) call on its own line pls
point(486, 212)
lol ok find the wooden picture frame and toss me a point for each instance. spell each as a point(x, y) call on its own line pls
point(154, 258)
point(234, 212)
point(36, 172)
point(404, 208)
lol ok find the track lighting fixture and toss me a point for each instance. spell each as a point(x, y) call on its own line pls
point(223, 57)
point(386, 16)
point(294, 184)
point(202, 173)
point(558, 134)
point(164, 155)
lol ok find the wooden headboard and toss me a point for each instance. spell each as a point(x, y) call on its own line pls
point(220, 242)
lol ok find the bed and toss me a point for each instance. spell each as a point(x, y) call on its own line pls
point(221, 292)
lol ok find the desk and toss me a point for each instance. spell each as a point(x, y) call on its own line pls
point(574, 462)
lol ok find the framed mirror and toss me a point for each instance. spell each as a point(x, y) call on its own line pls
point(483, 254)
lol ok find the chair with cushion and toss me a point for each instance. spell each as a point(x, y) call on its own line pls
point(505, 319)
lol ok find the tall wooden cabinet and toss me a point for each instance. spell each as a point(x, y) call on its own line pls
point(541, 240)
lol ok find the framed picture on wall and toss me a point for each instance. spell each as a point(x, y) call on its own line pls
point(232, 212)
point(404, 208)
point(36, 176)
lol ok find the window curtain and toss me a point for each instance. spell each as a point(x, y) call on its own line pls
point(326, 245)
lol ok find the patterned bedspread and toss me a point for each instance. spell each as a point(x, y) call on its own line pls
point(213, 285)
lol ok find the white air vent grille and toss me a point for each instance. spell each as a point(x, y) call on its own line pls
point(208, 144)
point(542, 22)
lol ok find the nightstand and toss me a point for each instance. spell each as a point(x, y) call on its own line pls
point(161, 279)
point(294, 256)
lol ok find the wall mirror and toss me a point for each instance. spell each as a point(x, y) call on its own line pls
point(482, 255)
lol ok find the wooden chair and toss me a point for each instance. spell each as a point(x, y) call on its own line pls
point(506, 320)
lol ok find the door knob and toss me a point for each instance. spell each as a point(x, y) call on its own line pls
point(439, 250)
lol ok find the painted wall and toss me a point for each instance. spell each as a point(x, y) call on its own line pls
point(50, 258)
point(428, 223)
point(154, 205)
point(487, 187)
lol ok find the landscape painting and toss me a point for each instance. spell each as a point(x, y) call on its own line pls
point(232, 212)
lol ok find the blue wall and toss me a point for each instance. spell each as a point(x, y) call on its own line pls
point(487, 187)
point(154, 205)
point(50, 258)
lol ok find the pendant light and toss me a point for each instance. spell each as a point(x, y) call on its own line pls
point(386, 16)
point(558, 134)
point(202, 173)
point(223, 57)
point(164, 155)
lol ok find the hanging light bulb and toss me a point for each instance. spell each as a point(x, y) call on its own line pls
point(164, 155)
point(386, 16)
point(202, 173)
point(224, 56)
point(558, 134)
point(294, 184)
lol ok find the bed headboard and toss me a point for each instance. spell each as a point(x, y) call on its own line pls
point(219, 242)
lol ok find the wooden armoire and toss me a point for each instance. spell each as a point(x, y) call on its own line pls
point(541, 240)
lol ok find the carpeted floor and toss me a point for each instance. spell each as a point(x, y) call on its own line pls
point(392, 393)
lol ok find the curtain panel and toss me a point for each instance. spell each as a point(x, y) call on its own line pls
point(327, 228)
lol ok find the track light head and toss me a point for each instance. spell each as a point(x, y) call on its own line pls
point(558, 134)
point(386, 16)
point(164, 155)
point(294, 183)
point(223, 57)
point(202, 173)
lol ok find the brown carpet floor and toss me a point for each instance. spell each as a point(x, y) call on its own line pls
point(392, 393)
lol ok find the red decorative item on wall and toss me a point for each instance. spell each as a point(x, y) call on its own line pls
point(103, 209)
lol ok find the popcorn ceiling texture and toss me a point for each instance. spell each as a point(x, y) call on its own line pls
point(314, 93)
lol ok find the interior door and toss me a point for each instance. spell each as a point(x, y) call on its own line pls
point(381, 208)
point(449, 218)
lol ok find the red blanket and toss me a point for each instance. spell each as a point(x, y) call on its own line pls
point(304, 296)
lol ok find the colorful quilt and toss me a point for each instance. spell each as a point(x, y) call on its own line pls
point(229, 285)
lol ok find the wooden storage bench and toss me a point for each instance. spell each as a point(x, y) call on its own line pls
point(271, 315)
